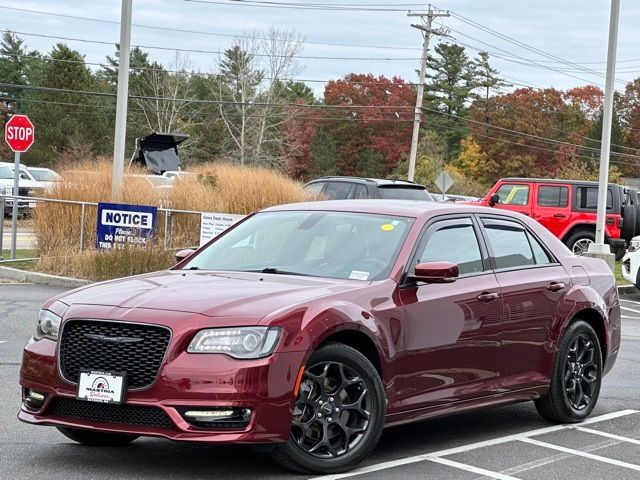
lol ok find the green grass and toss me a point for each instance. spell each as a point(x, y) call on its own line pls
point(25, 253)
point(620, 280)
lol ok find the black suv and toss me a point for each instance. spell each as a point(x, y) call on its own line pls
point(340, 188)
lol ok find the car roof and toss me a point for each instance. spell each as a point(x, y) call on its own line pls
point(377, 181)
point(402, 208)
point(11, 164)
point(552, 180)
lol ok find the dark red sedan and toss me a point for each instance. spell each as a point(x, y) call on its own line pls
point(311, 327)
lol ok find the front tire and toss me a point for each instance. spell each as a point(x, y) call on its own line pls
point(339, 413)
point(576, 378)
point(93, 438)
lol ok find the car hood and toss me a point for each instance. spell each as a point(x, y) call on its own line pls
point(216, 294)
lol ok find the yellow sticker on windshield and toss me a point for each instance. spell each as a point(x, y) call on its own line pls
point(387, 227)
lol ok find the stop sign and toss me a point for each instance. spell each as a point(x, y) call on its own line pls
point(19, 133)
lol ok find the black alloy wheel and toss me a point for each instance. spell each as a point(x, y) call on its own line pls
point(581, 372)
point(576, 378)
point(332, 412)
point(338, 414)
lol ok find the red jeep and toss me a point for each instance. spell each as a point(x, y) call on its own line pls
point(567, 208)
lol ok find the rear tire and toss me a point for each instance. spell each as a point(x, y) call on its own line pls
point(579, 241)
point(339, 413)
point(93, 438)
point(576, 377)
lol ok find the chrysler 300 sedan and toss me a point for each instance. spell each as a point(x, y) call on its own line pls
point(311, 327)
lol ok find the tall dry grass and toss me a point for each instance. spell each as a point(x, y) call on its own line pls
point(217, 188)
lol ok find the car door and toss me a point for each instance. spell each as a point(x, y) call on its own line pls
point(533, 285)
point(452, 331)
point(552, 207)
point(515, 197)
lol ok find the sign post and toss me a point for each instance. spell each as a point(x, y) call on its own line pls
point(19, 135)
point(443, 182)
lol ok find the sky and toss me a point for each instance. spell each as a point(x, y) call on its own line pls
point(573, 30)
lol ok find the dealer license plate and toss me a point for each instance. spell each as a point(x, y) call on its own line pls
point(103, 387)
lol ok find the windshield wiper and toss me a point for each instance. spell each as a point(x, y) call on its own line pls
point(194, 268)
point(275, 271)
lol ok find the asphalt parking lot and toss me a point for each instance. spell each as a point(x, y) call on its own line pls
point(511, 442)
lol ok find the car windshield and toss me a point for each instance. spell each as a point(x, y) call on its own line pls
point(44, 175)
point(158, 181)
point(405, 193)
point(323, 244)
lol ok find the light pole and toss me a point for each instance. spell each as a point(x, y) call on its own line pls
point(121, 102)
point(599, 249)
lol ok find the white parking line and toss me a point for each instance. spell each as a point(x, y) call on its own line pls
point(630, 309)
point(472, 446)
point(609, 435)
point(579, 453)
point(630, 301)
point(3, 341)
point(471, 468)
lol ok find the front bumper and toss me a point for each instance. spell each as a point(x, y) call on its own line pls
point(196, 381)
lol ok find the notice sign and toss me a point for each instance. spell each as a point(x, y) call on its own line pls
point(213, 224)
point(119, 226)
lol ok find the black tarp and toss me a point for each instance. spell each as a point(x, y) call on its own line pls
point(158, 152)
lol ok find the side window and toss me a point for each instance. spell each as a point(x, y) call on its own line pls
point(337, 190)
point(587, 198)
point(552, 196)
point(313, 190)
point(361, 192)
point(512, 194)
point(509, 244)
point(453, 243)
point(539, 254)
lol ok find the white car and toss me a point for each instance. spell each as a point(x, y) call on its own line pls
point(26, 183)
point(44, 176)
point(631, 262)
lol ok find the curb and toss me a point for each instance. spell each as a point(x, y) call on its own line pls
point(627, 289)
point(41, 278)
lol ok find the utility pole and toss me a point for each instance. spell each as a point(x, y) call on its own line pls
point(599, 249)
point(427, 19)
point(121, 102)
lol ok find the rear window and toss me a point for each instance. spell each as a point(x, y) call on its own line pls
point(404, 193)
point(587, 198)
point(337, 190)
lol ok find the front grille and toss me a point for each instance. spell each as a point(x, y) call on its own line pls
point(111, 413)
point(140, 361)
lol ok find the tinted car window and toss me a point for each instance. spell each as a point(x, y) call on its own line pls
point(337, 190)
point(539, 254)
point(509, 243)
point(456, 244)
point(511, 194)
point(552, 196)
point(399, 193)
point(313, 189)
point(361, 192)
point(587, 198)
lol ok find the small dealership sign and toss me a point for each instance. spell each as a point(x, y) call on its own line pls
point(120, 225)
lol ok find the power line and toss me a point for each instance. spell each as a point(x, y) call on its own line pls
point(304, 6)
point(201, 32)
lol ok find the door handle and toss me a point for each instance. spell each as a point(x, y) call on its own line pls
point(560, 215)
point(488, 296)
point(555, 286)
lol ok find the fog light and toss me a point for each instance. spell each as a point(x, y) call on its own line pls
point(34, 399)
point(218, 417)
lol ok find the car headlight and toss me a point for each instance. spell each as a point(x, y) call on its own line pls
point(634, 245)
point(238, 342)
point(48, 325)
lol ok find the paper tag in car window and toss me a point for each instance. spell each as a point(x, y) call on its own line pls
point(358, 275)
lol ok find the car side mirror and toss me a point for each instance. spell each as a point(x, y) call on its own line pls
point(494, 199)
point(436, 272)
point(185, 253)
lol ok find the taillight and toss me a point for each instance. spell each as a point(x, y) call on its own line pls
point(634, 245)
point(619, 222)
point(611, 221)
